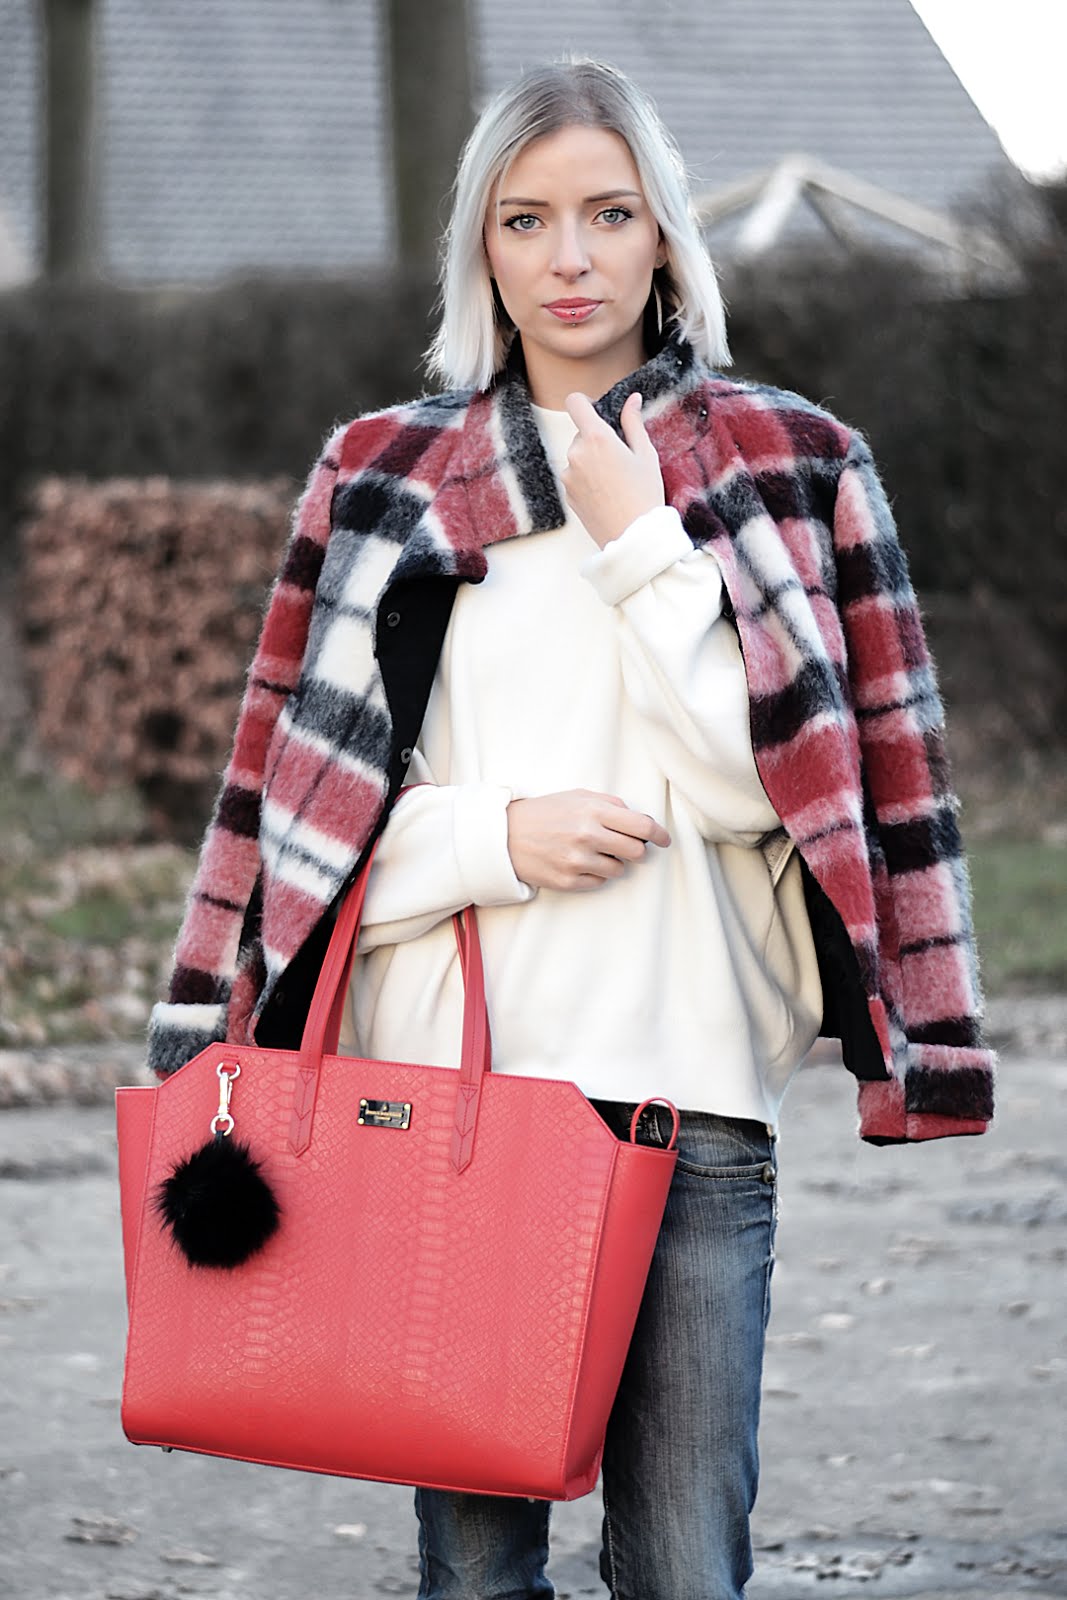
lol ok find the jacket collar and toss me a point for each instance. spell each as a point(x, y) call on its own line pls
point(510, 485)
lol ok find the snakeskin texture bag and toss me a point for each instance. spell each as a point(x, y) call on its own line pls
point(377, 1269)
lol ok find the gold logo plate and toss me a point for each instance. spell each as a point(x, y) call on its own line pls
point(385, 1113)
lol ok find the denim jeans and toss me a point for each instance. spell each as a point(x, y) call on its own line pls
point(680, 1464)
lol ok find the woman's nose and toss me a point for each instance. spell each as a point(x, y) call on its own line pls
point(571, 253)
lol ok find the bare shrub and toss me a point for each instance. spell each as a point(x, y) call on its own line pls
point(142, 601)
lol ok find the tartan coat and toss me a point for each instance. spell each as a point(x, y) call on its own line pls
point(846, 718)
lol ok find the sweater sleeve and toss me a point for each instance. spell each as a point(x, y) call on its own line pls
point(445, 846)
point(684, 673)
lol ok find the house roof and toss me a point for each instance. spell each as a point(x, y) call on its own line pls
point(859, 83)
point(254, 135)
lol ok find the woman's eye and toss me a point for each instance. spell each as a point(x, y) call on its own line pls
point(528, 216)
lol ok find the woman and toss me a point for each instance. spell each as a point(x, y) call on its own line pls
point(639, 646)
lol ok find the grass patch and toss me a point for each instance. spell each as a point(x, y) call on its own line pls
point(44, 812)
point(1020, 913)
point(99, 914)
point(89, 906)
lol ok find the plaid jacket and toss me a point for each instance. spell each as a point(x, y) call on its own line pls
point(846, 719)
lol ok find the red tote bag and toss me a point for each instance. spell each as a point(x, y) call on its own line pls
point(453, 1279)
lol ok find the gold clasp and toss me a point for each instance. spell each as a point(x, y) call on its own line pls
point(226, 1078)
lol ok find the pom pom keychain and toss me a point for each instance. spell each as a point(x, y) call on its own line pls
point(216, 1203)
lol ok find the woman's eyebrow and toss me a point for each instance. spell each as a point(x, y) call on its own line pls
point(609, 194)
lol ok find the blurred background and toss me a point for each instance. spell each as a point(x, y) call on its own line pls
point(218, 236)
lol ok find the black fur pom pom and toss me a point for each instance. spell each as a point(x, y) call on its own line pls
point(217, 1205)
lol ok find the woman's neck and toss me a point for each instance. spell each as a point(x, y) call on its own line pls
point(550, 378)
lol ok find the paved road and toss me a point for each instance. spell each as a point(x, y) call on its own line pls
point(913, 1428)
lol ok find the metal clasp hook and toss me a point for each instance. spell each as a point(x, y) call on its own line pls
point(226, 1078)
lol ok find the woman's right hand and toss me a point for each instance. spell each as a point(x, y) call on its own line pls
point(577, 838)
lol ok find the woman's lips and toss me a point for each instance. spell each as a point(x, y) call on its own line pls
point(574, 313)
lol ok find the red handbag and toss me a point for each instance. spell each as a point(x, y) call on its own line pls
point(441, 1280)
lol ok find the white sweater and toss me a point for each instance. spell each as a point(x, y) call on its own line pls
point(693, 975)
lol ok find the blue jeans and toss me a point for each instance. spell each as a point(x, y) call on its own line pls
point(680, 1464)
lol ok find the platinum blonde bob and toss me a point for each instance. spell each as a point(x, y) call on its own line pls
point(475, 332)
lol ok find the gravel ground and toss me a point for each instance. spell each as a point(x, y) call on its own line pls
point(915, 1383)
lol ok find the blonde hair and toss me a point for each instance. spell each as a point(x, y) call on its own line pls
point(474, 332)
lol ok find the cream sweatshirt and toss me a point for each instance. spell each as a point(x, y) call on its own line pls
point(693, 975)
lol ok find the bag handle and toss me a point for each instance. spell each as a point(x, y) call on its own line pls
point(333, 1026)
point(323, 1025)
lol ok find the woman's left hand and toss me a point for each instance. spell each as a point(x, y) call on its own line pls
point(609, 481)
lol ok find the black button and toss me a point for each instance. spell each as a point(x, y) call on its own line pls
point(703, 411)
point(405, 754)
point(392, 619)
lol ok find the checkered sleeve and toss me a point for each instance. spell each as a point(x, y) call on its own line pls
point(194, 1014)
point(942, 1080)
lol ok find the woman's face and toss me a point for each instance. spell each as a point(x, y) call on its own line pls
point(574, 224)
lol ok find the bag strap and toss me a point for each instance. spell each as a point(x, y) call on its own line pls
point(323, 1025)
point(475, 1060)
